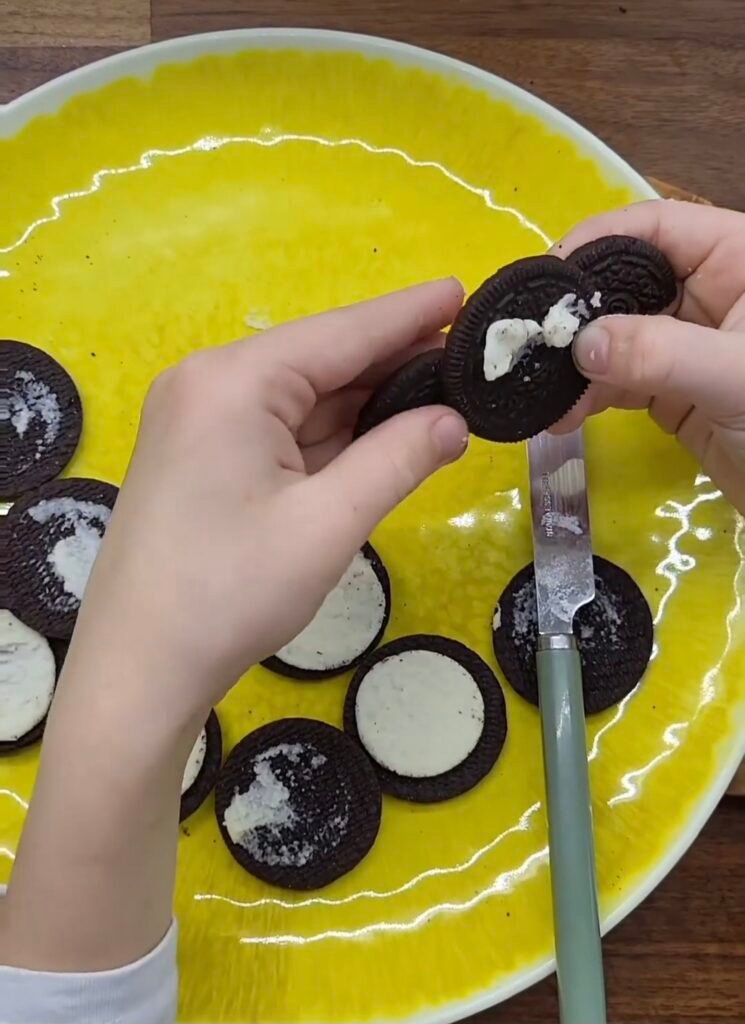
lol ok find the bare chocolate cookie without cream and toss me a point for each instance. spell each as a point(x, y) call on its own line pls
point(627, 276)
point(415, 384)
point(614, 636)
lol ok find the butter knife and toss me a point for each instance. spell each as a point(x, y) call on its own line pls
point(565, 582)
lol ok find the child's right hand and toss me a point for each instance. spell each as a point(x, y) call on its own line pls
point(688, 370)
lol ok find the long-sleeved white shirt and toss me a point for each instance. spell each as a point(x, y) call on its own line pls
point(145, 992)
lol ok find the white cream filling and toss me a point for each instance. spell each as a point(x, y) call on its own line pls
point(27, 677)
point(72, 557)
point(346, 623)
point(506, 340)
point(419, 713)
point(195, 762)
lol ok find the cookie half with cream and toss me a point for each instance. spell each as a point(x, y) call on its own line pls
point(29, 668)
point(51, 539)
point(430, 714)
point(298, 803)
point(202, 768)
point(350, 623)
point(41, 418)
point(508, 366)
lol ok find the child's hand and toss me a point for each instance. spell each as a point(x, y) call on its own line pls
point(689, 371)
point(245, 500)
point(243, 506)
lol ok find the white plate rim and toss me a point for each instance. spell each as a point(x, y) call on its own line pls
point(50, 96)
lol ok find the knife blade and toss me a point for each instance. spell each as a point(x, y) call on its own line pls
point(565, 582)
point(562, 543)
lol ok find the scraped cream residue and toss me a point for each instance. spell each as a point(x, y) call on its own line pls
point(261, 818)
point(73, 555)
point(30, 399)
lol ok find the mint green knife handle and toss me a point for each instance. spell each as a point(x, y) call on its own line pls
point(578, 951)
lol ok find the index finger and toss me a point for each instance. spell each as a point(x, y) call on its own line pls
point(691, 235)
point(331, 349)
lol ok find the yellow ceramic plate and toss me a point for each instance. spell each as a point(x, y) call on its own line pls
point(146, 217)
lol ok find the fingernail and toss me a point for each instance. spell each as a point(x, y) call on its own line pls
point(591, 350)
point(450, 436)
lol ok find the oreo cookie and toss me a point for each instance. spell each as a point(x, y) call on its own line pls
point(202, 768)
point(52, 538)
point(508, 367)
point(298, 803)
point(349, 623)
point(614, 636)
point(627, 275)
point(430, 714)
point(413, 385)
point(41, 418)
point(29, 668)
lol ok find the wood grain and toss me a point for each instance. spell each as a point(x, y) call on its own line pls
point(24, 68)
point(663, 82)
point(74, 22)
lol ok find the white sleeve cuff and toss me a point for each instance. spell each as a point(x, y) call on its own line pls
point(144, 992)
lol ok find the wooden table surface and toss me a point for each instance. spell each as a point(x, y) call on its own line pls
point(663, 81)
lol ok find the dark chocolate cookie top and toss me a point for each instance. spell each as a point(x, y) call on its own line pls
point(415, 384)
point(627, 275)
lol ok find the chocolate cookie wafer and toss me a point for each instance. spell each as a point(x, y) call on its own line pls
point(627, 275)
point(413, 385)
point(508, 367)
point(298, 803)
point(52, 536)
point(614, 636)
point(41, 418)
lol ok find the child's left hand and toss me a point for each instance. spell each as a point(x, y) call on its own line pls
point(244, 504)
point(245, 501)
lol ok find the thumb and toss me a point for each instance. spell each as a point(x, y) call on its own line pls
point(379, 469)
point(659, 355)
